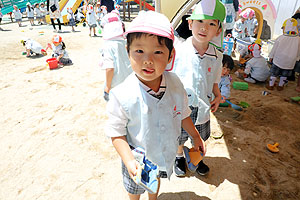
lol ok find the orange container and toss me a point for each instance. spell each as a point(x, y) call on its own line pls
point(52, 62)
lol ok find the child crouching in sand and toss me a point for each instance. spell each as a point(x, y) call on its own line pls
point(59, 51)
point(33, 47)
point(149, 108)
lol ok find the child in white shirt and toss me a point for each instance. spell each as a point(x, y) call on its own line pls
point(91, 19)
point(284, 54)
point(43, 10)
point(256, 69)
point(33, 47)
point(71, 18)
point(30, 13)
point(199, 65)
point(38, 13)
point(59, 51)
point(149, 108)
point(115, 59)
point(17, 15)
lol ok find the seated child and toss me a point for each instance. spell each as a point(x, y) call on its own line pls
point(59, 50)
point(114, 55)
point(224, 84)
point(33, 47)
point(257, 69)
point(284, 54)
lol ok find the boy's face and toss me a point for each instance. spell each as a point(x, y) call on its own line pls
point(204, 30)
point(225, 70)
point(149, 59)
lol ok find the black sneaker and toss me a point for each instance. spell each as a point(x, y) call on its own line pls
point(179, 166)
point(202, 169)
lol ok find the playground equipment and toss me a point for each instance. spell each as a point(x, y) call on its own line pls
point(264, 10)
point(7, 5)
point(63, 5)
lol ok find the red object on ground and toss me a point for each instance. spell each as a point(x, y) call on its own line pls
point(52, 62)
point(148, 6)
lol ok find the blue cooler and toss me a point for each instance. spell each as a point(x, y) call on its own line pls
point(228, 45)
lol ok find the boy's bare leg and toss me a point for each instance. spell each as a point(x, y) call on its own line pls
point(154, 196)
point(180, 149)
point(134, 196)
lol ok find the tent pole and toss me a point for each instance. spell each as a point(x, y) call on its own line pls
point(158, 6)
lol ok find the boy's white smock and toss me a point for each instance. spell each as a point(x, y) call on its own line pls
point(148, 122)
point(34, 46)
point(30, 13)
point(238, 30)
point(258, 68)
point(286, 49)
point(198, 75)
point(17, 14)
point(115, 56)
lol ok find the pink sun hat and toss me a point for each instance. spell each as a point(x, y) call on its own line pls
point(153, 23)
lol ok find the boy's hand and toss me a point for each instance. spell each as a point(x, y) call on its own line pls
point(132, 167)
point(214, 105)
point(199, 144)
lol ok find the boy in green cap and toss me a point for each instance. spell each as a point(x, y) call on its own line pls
point(198, 63)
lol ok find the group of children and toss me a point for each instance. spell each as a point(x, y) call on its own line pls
point(156, 98)
point(39, 10)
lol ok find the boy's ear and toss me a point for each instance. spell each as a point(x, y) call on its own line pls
point(219, 31)
point(190, 24)
point(172, 55)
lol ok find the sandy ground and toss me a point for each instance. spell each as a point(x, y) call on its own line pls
point(53, 144)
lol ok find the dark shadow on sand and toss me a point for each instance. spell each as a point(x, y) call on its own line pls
point(181, 196)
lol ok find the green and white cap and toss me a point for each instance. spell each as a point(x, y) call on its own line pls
point(211, 9)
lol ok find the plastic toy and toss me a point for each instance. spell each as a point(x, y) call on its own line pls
point(192, 158)
point(147, 176)
point(240, 85)
point(297, 99)
point(235, 107)
point(99, 30)
point(52, 62)
point(24, 53)
point(228, 45)
point(273, 148)
point(244, 104)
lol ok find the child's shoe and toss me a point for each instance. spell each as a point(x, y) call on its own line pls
point(270, 87)
point(279, 88)
point(202, 169)
point(249, 80)
point(179, 166)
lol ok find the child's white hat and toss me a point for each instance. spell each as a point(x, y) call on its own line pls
point(255, 50)
point(113, 27)
point(153, 23)
point(28, 4)
point(290, 27)
point(211, 9)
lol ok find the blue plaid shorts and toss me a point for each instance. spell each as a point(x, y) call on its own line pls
point(129, 184)
point(276, 71)
point(203, 129)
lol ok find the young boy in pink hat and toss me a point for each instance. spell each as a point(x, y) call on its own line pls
point(199, 65)
point(149, 108)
